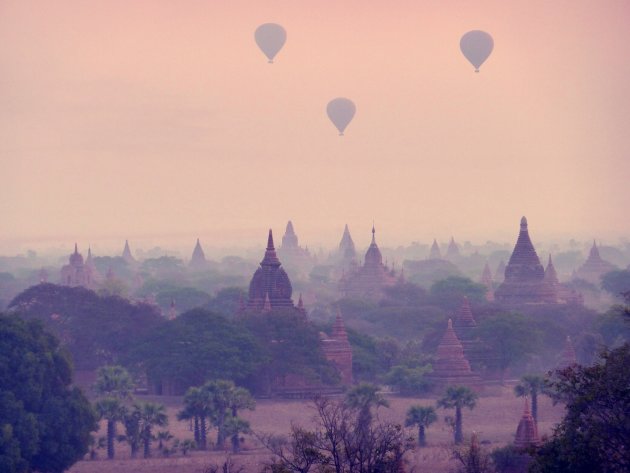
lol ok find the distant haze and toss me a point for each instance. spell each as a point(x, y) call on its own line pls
point(154, 118)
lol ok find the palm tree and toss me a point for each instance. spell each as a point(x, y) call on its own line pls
point(151, 414)
point(458, 397)
point(532, 385)
point(362, 398)
point(163, 437)
point(113, 381)
point(133, 435)
point(423, 417)
point(112, 410)
point(240, 399)
point(197, 407)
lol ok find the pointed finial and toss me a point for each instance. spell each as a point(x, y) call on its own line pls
point(373, 232)
point(270, 241)
point(450, 324)
point(524, 223)
point(76, 250)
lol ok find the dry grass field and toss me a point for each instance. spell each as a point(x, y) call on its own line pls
point(494, 419)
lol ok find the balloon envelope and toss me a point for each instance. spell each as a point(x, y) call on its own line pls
point(341, 111)
point(270, 38)
point(476, 46)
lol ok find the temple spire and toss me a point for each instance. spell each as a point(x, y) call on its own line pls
point(339, 328)
point(300, 305)
point(373, 232)
point(267, 304)
point(271, 258)
point(527, 431)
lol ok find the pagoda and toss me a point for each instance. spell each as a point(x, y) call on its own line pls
point(524, 274)
point(338, 351)
point(126, 254)
point(567, 357)
point(347, 252)
point(270, 287)
point(76, 272)
point(465, 326)
point(451, 366)
point(551, 285)
point(527, 431)
point(486, 280)
point(594, 267)
point(435, 252)
point(198, 259)
point(369, 280)
point(452, 252)
point(296, 260)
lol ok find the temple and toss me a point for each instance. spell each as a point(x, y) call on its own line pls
point(567, 357)
point(198, 259)
point(486, 280)
point(368, 281)
point(76, 272)
point(594, 267)
point(270, 287)
point(347, 253)
point(451, 366)
point(524, 275)
point(435, 252)
point(297, 260)
point(126, 254)
point(527, 431)
point(452, 252)
point(338, 351)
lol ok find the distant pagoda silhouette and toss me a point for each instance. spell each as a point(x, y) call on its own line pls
point(594, 267)
point(527, 431)
point(198, 259)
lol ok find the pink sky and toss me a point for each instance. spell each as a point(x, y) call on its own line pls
point(135, 119)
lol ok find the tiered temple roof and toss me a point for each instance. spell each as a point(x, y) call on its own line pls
point(527, 431)
point(369, 280)
point(76, 272)
point(524, 274)
point(435, 252)
point(594, 267)
point(451, 366)
point(567, 357)
point(198, 259)
point(270, 287)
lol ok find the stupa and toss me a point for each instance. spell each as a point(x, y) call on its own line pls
point(434, 252)
point(594, 267)
point(451, 366)
point(347, 253)
point(551, 285)
point(198, 259)
point(369, 280)
point(527, 431)
point(270, 287)
point(338, 351)
point(524, 274)
point(126, 254)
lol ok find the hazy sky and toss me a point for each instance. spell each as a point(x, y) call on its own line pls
point(161, 118)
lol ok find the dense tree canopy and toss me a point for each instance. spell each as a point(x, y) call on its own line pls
point(594, 436)
point(97, 330)
point(45, 424)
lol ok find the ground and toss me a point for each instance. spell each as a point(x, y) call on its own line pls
point(494, 419)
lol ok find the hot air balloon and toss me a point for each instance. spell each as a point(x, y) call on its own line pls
point(270, 38)
point(341, 111)
point(476, 46)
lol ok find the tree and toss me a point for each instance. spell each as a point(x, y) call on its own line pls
point(595, 434)
point(224, 402)
point(616, 282)
point(45, 423)
point(423, 417)
point(532, 385)
point(133, 434)
point(509, 337)
point(472, 459)
point(339, 443)
point(113, 411)
point(363, 398)
point(151, 415)
point(197, 408)
point(114, 385)
point(458, 397)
